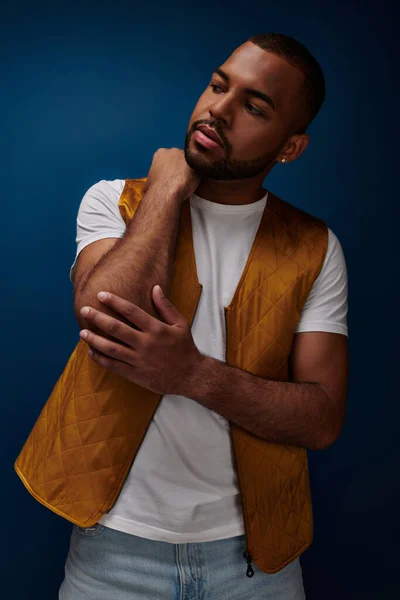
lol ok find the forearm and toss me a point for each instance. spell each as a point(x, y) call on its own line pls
point(139, 260)
point(284, 413)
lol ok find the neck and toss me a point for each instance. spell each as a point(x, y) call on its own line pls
point(244, 191)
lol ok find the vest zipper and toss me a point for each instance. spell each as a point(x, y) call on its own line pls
point(150, 420)
point(247, 556)
point(246, 553)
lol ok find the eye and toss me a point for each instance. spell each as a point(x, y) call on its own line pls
point(214, 87)
point(254, 111)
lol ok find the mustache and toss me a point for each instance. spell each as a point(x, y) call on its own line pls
point(216, 126)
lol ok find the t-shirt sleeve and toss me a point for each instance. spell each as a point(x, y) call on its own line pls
point(326, 306)
point(99, 216)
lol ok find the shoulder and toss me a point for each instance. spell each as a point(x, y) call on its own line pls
point(305, 234)
point(105, 189)
point(326, 306)
point(99, 205)
point(290, 214)
point(101, 199)
point(334, 256)
point(332, 279)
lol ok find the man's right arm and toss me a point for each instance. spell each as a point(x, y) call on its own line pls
point(130, 267)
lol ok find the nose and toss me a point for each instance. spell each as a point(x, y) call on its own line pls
point(215, 114)
point(221, 110)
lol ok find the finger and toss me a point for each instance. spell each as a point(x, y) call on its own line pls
point(166, 309)
point(132, 313)
point(113, 327)
point(108, 347)
point(115, 366)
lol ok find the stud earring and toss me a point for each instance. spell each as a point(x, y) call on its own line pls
point(283, 159)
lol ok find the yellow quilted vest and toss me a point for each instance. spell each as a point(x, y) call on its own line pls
point(85, 440)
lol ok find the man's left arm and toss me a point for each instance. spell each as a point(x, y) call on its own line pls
point(307, 412)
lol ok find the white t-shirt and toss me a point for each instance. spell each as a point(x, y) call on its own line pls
point(182, 486)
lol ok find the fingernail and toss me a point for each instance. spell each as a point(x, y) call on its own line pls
point(84, 333)
point(85, 310)
point(102, 295)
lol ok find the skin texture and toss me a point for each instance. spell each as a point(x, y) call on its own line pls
point(255, 136)
point(164, 358)
point(160, 354)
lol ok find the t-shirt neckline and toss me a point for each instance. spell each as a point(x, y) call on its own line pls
point(204, 204)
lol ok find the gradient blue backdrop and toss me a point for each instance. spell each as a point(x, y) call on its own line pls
point(90, 91)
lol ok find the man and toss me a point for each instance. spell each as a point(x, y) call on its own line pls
point(247, 369)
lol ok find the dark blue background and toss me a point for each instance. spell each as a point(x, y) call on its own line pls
point(89, 92)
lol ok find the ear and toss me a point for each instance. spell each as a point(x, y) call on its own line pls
point(294, 147)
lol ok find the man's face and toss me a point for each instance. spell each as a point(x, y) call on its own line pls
point(253, 128)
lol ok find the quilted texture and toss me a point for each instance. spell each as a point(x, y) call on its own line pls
point(286, 258)
point(86, 438)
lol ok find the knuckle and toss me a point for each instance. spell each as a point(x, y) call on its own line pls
point(126, 356)
point(158, 328)
point(112, 349)
point(115, 326)
point(129, 311)
point(108, 364)
point(93, 316)
point(146, 343)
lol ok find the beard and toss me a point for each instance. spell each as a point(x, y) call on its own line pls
point(227, 168)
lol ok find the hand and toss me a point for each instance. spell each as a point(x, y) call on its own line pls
point(170, 172)
point(157, 356)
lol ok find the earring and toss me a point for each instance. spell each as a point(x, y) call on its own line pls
point(283, 160)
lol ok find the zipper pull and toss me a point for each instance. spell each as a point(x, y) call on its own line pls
point(247, 556)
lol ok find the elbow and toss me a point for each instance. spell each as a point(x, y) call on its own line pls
point(82, 300)
point(81, 321)
point(324, 440)
point(87, 298)
point(329, 431)
point(321, 444)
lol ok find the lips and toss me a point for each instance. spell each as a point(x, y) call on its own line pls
point(211, 134)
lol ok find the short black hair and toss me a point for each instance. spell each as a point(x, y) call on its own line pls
point(313, 90)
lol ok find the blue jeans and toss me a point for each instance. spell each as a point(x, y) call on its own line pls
point(105, 564)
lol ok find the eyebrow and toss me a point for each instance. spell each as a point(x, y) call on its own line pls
point(250, 91)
